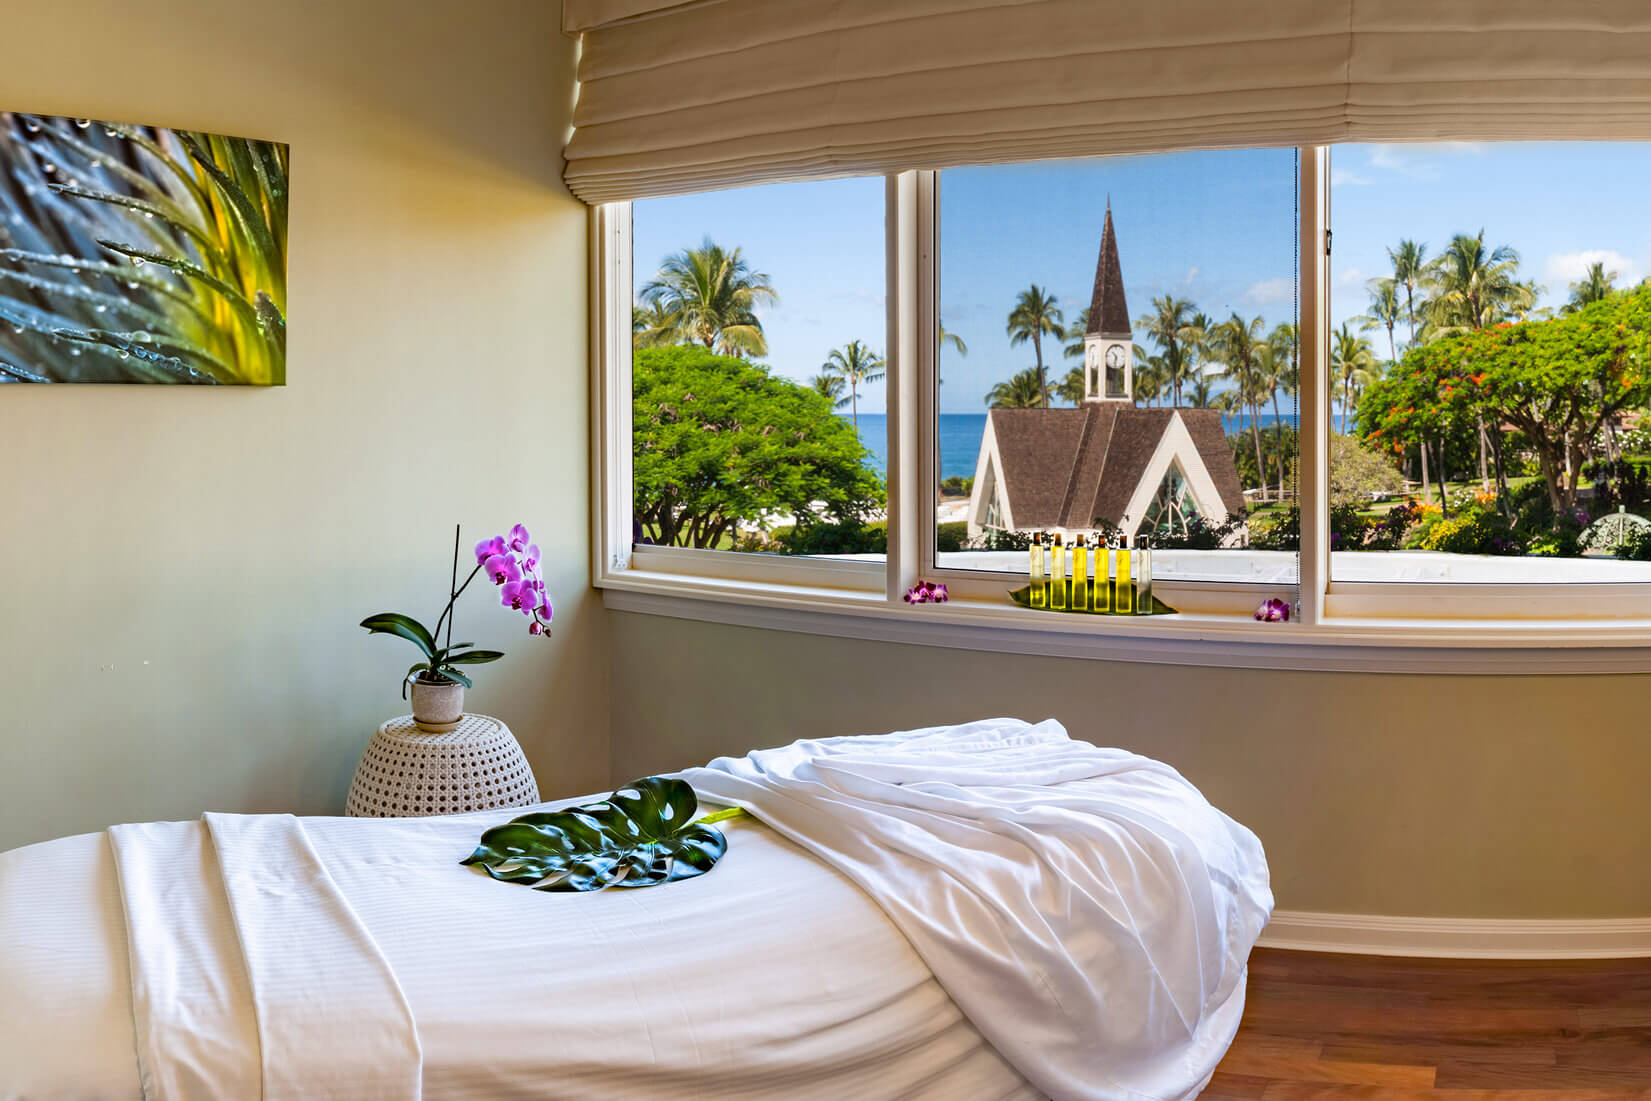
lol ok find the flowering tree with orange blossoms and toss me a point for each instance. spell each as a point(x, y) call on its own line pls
point(1558, 382)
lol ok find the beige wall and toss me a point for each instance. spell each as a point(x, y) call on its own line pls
point(1415, 795)
point(184, 569)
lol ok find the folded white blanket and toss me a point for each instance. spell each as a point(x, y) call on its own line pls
point(1096, 932)
point(328, 1017)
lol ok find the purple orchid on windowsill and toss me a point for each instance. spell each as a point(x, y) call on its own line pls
point(1273, 610)
point(926, 592)
point(511, 562)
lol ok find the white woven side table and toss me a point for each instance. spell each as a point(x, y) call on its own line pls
point(406, 773)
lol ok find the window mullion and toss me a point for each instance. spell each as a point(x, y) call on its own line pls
point(1313, 438)
point(907, 349)
point(610, 343)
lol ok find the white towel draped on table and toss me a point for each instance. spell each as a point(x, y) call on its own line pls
point(1075, 923)
point(1086, 908)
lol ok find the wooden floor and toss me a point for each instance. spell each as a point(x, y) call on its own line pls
point(1370, 1027)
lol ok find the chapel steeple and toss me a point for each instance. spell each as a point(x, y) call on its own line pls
point(1109, 341)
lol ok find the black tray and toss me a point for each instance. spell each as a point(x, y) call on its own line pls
point(1023, 597)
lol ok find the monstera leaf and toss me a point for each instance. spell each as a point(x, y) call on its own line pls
point(640, 836)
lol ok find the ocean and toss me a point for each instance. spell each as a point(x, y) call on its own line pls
point(960, 438)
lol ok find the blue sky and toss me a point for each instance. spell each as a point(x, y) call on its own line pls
point(1213, 227)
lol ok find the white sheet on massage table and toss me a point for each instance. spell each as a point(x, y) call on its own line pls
point(772, 977)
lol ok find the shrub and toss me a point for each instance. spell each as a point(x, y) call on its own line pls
point(957, 486)
point(1624, 482)
point(1201, 534)
point(950, 537)
point(848, 537)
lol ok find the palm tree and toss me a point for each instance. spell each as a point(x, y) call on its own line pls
point(1475, 288)
point(1384, 312)
point(1023, 390)
point(1075, 335)
point(855, 364)
point(1169, 324)
point(653, 327)
point(1035, 316)
point(1593, 287)
point(1282, 371)
point(1351, 359)
point(1202, 395)
point(951, 338)
point(1237, 342)
point(1152, 376)
point(1410, 266)
point(1071, 388)
point(832, 387)
point(710, 295)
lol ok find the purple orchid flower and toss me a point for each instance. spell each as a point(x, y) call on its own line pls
point(925, 592)
point(520, 596)
point(519, 539)
point(487, 548)
point(1273, 610)
point(502, 569)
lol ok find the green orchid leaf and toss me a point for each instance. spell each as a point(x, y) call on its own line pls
point(642, 835)
point(417, 667)
point(453, 674)
point(391, 623)
point(474, 657)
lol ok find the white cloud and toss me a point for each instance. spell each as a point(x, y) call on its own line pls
point(1271, 292)
point(1349, 276)
point(1569, 267)
point(1192, 273)
point(1413, 160)
point(1344, 177)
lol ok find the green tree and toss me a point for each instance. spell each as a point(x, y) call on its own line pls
point(1022, 390)
point(709, 296)
point(1352, 362)
point(1035, 316)
point(830, 386)
point(1410, 267)
point(1557, 382)
point(1384, 312)
point(948, 337)
point(1075, 335)
point(1594, 286)
point(1237, 343)
point(719, 441)
point(1202, 393)
point(1169, 324)
point(1071, 388)
point(1476, 287)
point(653, 326)
point(856, 365)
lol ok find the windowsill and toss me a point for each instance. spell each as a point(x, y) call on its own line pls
point(1365, 644)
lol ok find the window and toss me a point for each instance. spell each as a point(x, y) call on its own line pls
point(1488, 364)
point(1118, 356)
point(982, 404)
point(757, 325)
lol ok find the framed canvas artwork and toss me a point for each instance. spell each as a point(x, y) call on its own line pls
point(140, 254)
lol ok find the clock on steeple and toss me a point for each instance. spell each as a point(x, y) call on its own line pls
point(1109, 342)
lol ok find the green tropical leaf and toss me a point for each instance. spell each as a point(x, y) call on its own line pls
point(474, 657)
point(444, 670)
point(640, 836)
point(392, 623)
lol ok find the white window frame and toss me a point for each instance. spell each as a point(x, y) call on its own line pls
point(1381, 627)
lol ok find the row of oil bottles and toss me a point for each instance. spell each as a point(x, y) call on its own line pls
point(1090, 574)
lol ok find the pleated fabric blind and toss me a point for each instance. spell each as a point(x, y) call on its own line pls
point(693, 96)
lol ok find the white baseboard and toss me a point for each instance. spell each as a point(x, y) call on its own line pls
point(1459, 938)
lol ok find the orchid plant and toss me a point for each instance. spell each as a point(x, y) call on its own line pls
point(511, 562)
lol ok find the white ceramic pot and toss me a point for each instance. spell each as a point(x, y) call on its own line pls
point(437, 706)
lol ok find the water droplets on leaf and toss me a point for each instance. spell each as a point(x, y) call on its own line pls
point(83, 123)
point(31, 126)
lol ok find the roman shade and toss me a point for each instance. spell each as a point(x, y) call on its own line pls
point(693, 96)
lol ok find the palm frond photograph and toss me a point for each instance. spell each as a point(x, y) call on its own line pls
point(140, 254)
